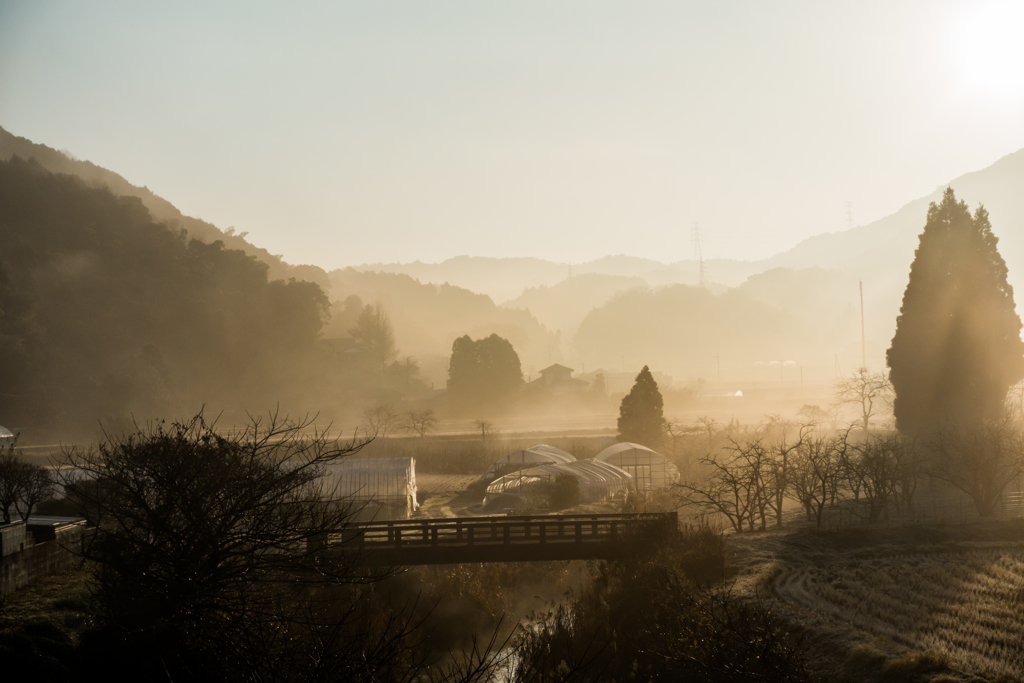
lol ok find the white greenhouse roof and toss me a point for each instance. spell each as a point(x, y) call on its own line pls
point(624, 447)
point(534, 455)
point(589, 472)
point(6, 433)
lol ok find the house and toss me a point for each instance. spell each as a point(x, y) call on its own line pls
point(558, 379)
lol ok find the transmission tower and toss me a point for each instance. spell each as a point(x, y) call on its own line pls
point(698, 256)
point(849, 215)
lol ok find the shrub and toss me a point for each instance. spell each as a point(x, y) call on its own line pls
point(565, 492)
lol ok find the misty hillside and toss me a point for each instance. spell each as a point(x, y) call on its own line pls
point(161, 210)
point(506, 279)
point(427, 318)
point(882, 251)
point(563, 306)
point(499, 278)
point(780, 315)
point(107, 314)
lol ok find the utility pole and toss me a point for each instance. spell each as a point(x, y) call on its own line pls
point(718, 364)
point(863, 347)
point(698, 256)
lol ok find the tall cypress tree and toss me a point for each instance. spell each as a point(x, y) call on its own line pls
point(641, 417)
point(957, 347)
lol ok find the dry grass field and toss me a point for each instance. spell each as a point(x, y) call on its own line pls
point(966, 607)
point(927, 603)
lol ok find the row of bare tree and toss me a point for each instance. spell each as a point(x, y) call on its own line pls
point(750, 479)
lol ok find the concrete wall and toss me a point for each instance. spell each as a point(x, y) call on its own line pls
point(37, 560)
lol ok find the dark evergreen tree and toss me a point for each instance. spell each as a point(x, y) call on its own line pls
point(483, 375)
point(957, 347)
point(641, 416)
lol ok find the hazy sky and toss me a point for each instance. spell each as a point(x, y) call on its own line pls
point(341, 133)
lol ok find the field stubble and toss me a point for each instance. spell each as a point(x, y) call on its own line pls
point(954, 595)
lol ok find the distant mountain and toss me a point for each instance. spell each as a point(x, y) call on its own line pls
point(499, 278)
point(427, 318)
point(160, 209)
point(887, 242)
point(564, 305)
point(880, 253)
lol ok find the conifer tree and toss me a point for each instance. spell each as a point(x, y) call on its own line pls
point(641, 417)
point(957, 347)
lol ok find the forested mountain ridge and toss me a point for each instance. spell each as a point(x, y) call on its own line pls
point(159, 208)
point(106, 314)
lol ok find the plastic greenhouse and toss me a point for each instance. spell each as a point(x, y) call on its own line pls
point(598, 480)
point(381, 488)
point(650, 469)
point(528, 457)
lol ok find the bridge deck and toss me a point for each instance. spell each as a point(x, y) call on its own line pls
point(498, 539)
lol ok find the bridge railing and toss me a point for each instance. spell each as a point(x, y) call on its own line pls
point(512, 530)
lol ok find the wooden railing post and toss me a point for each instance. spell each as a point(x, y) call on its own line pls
point(579, 532)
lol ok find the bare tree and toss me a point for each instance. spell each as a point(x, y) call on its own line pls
point(676, 432)
point(11, 477)
point(728, 490)
point(735, 485)
point(23, 485)
point(817, 471)
point(876, 466)
point(980, 459)
point(486, 429)
point(210, 556)
point(375, 335)
point(37, 487)
point(868, 391)
point(420, 422)
point(380, 419)
point(780, 463)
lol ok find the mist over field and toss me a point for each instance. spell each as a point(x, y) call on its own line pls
point(404, 342)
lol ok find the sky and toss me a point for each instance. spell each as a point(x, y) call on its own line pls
point(341, 133)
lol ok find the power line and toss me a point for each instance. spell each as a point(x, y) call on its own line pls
point(698, 256)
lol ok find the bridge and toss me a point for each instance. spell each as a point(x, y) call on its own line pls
point(500, 539)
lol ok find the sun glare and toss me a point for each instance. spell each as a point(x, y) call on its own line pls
point(989, 49)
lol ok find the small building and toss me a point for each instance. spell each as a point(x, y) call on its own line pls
point(598, 480)
point(649, 469)
point(541, 454)
point(377, 488)
point(557, 379)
